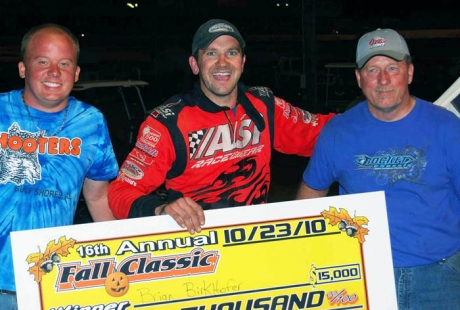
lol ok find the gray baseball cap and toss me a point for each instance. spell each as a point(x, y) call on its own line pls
point(212, 29)
point(381, 42)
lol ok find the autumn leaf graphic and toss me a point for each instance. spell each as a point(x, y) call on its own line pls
point(44, 261)
point(352, 226)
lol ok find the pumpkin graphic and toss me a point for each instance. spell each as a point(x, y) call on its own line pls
point(117, 284)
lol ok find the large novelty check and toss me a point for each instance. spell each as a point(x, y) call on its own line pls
point(325, 253)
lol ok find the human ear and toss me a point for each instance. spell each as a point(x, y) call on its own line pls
point(22, 69)
point(193, 65)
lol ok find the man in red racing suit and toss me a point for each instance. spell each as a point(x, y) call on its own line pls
point(209, 155)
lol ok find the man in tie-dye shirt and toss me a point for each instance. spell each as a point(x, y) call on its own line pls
point(52, 147)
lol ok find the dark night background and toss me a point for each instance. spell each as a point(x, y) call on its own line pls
point(289, 44)
point(152, 40)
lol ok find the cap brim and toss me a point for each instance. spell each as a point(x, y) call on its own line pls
point(203, 44)
point(392, 54)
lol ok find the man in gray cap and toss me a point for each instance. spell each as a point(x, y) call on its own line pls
point(211, 147)
point(409, 148)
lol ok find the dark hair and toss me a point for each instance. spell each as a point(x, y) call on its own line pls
point(55, 28)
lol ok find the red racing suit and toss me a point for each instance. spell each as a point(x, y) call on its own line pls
point(217, 156)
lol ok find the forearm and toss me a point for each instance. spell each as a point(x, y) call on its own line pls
point(95, 195)
point(100, 210)
point(147, 205)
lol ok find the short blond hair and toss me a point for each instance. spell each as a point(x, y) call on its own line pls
point(54, 27)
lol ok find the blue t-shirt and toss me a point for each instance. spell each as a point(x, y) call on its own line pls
point(415, 160)
point(41, 176)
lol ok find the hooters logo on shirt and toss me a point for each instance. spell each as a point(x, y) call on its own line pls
point(20, 150)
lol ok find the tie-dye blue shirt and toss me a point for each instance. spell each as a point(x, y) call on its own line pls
point(41, 176)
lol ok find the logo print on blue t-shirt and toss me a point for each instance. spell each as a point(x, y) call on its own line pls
point(394, 165)
point(16, 164)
